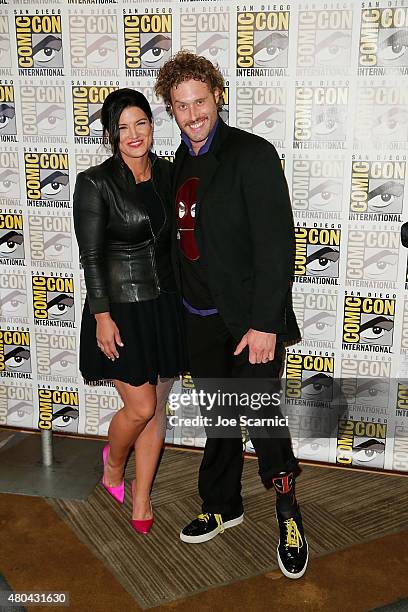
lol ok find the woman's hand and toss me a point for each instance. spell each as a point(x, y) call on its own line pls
point(107, 335)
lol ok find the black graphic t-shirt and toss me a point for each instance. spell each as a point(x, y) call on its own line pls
point(193, 267)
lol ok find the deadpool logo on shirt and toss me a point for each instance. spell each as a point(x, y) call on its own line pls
point(186, 203)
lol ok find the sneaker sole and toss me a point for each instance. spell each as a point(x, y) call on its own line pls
point(289, 574)
point(210, 535)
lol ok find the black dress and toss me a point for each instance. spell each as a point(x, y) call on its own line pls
point(151, 330)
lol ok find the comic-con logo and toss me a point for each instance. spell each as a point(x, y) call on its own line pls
point(8, 127)
point(382, 116)
point(93, 44)
point(377, 190)
point(262, 110)
point(372, 257)
point(317, 255)
point(13, 296)
point(16, 403)
point(262, 43)
point(87, 103)
point(400, 451)
point(309, 377)
point(47, 179)
point(148, 40)
point(12, 238)
point(206, 34)
point(85, 158)
point(58, 410)
point(43, 112)
point(361, 443)
point(317, 186)
point(101, 405)
point(316, 314)
point(368, 323)
point(39, 45)
point(50, 240)
point(53, 300)
point(56, 356)
point(383, 41)
point(5, 47)
point(324, 42)
point(15, 353)
point(402, 399)
point(320, 115)
point(404, 336)
point(9, 178)
point(365, 383)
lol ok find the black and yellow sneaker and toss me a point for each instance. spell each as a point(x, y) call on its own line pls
point(293, 550)
point(206, 526)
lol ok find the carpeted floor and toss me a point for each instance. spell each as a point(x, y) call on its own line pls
point(340, 509)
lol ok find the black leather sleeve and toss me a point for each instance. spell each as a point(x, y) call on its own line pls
point(90, 220)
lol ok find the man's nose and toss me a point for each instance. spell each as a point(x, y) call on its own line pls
point(193, 113)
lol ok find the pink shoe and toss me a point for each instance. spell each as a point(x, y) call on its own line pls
point(118, 492)
point(142, 526)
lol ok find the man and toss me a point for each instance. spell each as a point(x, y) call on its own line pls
point(235, 254)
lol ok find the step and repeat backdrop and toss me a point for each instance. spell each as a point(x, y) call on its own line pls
point(324, 81)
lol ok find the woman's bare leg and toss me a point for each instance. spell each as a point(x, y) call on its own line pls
point(148, 447)
point(127, 424)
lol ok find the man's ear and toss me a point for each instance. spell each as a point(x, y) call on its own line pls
point(217, 94)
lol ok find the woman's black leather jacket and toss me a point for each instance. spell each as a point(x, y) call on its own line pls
point(123, 260)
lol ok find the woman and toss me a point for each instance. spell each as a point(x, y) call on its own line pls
point(131, 323)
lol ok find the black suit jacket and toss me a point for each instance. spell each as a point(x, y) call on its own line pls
point(244, 232)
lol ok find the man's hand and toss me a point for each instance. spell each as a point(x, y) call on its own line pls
point(261, 346)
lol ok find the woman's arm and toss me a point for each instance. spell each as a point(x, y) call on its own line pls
point(90, 220)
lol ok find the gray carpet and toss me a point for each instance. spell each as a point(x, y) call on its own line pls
point(340, 509)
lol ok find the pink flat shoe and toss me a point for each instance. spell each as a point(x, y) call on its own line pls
point(142, 526)
point(118, 492)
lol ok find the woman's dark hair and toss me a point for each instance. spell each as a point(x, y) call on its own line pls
point(112, 108)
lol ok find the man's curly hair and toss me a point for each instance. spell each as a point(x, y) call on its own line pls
point(183, 67)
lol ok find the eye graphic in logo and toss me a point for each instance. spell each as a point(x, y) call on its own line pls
point(319, 325)
point(318, 387)
point(60, 307)
point(63, 363)
point(325, 195)
point(57, 247)
point(370, 451)
point(52, 186)
point(65, 418)
point(323, 262)
point(5, 57)
point(95, 125)
point(392, 50)
point(47, 51)
point(381, 265)
point(9, 183)
point(271, 50)
point(386, 196)
point(18, 359)
point(163, 126)
point(269, 122)
point(20, 413)
point(102, 51)
point(12, 244)
point(13, 303)
point(373, 392)
point(391, 124)
point(333, 49)
point(214, 48)
point(7, 119)
point(377, 330)
point(154, 51)
point(314, 448)
point(51, 119)
point(328, 124)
